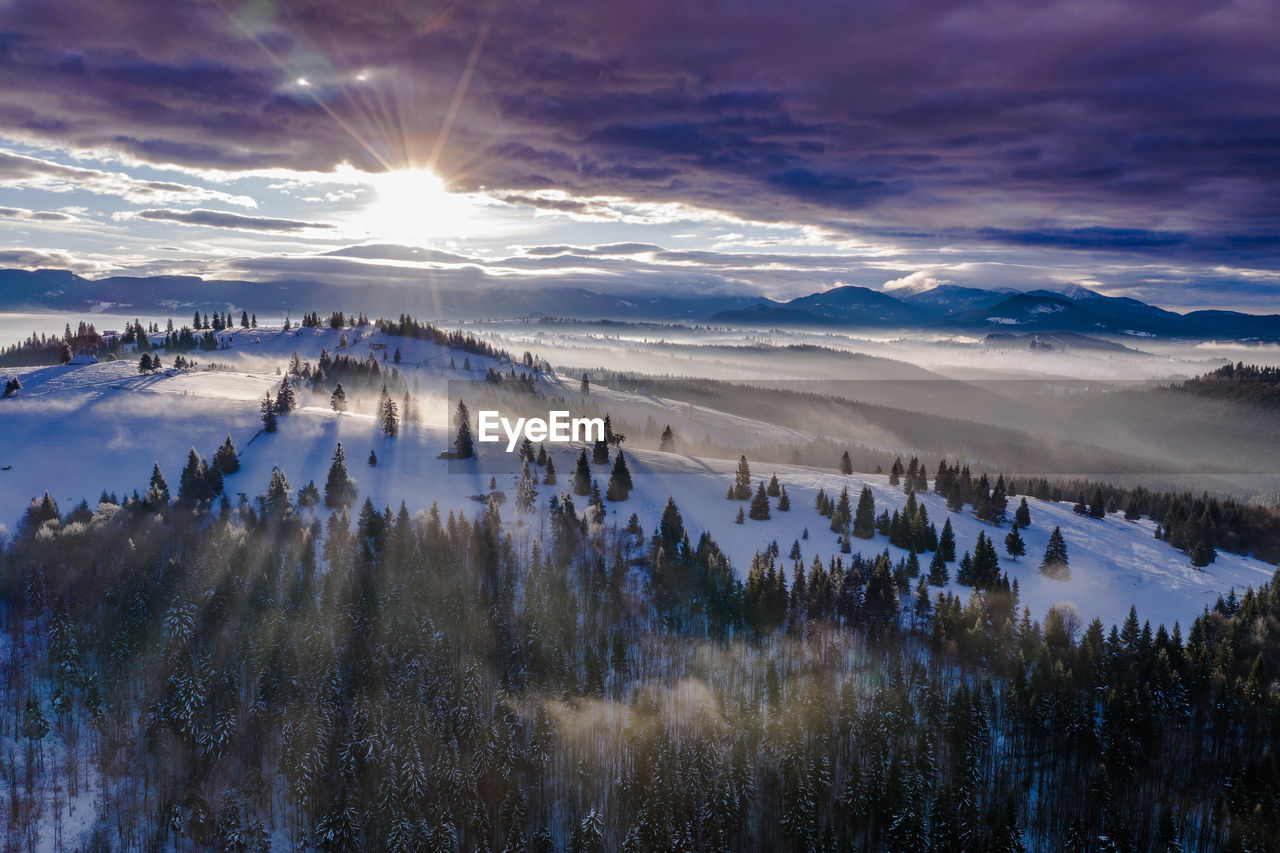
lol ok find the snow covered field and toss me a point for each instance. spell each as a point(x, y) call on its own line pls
point(79, 430)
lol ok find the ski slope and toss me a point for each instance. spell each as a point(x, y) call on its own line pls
point(77, 431)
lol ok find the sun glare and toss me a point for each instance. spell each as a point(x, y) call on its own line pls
point(412, 204)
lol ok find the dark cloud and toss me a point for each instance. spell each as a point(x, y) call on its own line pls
point(1056, 125)
point(222, 219)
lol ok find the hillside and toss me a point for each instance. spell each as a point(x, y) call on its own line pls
point(81, 430)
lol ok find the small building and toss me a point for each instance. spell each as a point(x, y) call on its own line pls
point(81, 360)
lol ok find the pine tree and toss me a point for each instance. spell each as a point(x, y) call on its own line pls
point(600, 452)
point(585, 386)
point(339, 489)
point(549, 478)
point(947, 543)
point(1023, 516)
point(667, 444)
point(846, 464)
point(158, 492)
point(619, 480)
point(1132, 509)
point(582, 475)
point(864, 520)
point(1082, 506)
point(286, 402)
point(784, 502)
point(895, 473)
point(1013, 543)
point(760, 504)
point(144, 363)
point(338, 402)
point(741, 518)
point(938, 573)
point(986, 563)
point(390, 418)
point(373, 459)
point(1098, 506)
point(1055, 564)
point(193, 485)
point(526, 493)
point(464, 448)
point(773, 489)
point(268, 410)
point(742, 481)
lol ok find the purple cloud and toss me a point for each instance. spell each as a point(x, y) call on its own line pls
point(1052, 122)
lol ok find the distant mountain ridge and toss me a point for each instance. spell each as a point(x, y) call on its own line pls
point(945, 308)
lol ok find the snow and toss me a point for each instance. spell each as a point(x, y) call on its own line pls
point(77, 431)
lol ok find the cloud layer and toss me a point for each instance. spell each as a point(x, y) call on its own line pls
point(1138, 131)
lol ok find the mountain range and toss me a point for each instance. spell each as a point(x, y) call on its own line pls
point(946, 308)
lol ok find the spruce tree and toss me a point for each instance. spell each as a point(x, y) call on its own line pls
point(1055, 563)
point(895, 473)
point(1023, 515)
point(526, 493)
point(373, 459)
point(1097, 506)
point(549, 478)
point(773, 489)
point(339, 489)
point(286, 402)
point(864, 520)
point(226, 459)
point(760, 504)
point(1013, 543)
point(268, 410)
point(667, 444)
point(464, 448)
point(619, 480)
point(938, 573)
point(846, 464)
point(1082, 506)
point(193, 485)
point(784, 502)
point(338, 401)
point(582, 475)
point(947, 543)
point(158, 491)
point(600, 452)
point(742, 481)
point(390, 418)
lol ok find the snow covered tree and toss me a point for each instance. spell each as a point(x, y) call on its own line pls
point(339, 489)
point(338, 400)
point(526, 493)
point(12, 386)
point(158, 491)
point(1055, 563)
point(585, 386)
point(286, 401)
point(267, 408)
point(464, 448)
point(390, 418)
point(275, 504)
point(193, 485)
point(760, 504)
point(144, 363)
point(226, 458)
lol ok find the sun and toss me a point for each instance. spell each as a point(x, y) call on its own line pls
point(411, 205)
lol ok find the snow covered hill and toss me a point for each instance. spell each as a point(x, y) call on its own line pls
point(80, 430)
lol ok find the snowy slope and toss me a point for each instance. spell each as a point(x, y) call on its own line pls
point(80, 430)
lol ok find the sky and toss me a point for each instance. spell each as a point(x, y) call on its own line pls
point(693, 147)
